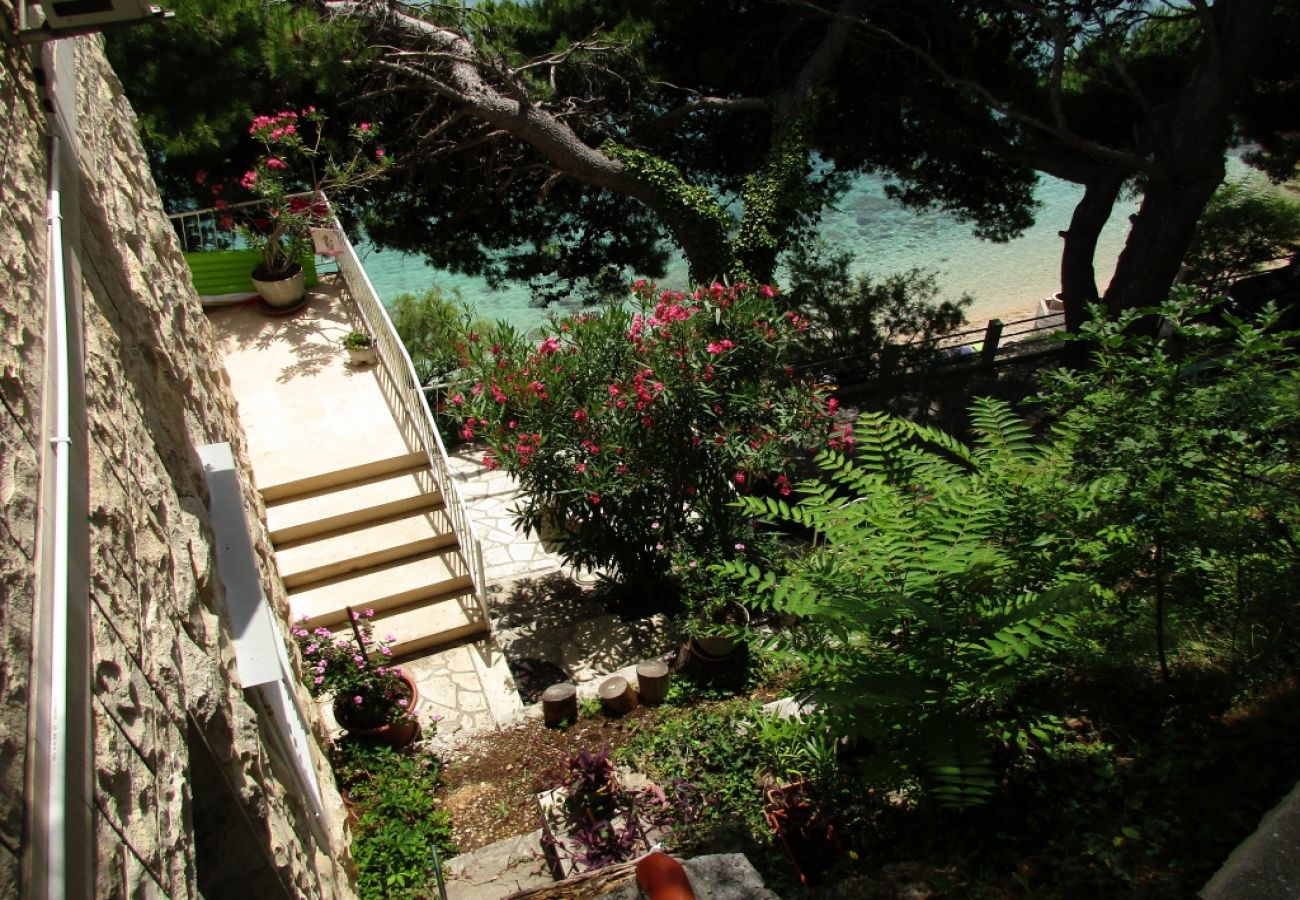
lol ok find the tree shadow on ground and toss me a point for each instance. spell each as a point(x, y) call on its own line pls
point(551, 624)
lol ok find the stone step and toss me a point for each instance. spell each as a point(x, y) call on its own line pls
point(345, 505)
point(335, 477)
point(431, 623)
point(494, 871)
point(381, 588)
point(363, 547)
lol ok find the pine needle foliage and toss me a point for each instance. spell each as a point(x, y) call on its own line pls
point(922, 605)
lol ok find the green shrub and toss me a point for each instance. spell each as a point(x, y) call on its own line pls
point(396, 822)
point(430, 325)
point(866, 325)
point(915, 617)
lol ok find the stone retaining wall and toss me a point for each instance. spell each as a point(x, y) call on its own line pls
point(179, 757)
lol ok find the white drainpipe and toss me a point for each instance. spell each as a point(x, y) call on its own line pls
point(56, 824)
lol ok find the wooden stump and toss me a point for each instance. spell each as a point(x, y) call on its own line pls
point(560, 703)
point(616, 695)
point(652, 681)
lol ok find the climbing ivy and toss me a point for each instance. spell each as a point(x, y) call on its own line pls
point(777, 205)
point(692, 212)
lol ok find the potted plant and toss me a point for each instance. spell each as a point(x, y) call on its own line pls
point(360, 347)
point(807, 836)
point(371, 699)
point(286, 184)
point(715, 616)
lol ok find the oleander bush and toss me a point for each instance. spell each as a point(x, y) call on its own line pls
point(634, 428)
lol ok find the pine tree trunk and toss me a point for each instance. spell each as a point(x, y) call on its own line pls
point(1078, 275)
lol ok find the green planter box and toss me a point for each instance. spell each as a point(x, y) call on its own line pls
point(230, 271)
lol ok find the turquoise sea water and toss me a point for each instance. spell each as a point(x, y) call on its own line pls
point(886, 238)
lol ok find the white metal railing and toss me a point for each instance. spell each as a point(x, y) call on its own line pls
point(200, 229)
point(397, 361)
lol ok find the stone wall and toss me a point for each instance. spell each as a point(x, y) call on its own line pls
point(178, 751)
point(23, 174)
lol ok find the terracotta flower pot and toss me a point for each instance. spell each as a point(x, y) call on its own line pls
point(395, 734)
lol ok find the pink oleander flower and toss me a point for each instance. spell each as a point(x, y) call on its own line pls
point(548, 346)
point(357, 700)
point(363, 127)
point(249, 181)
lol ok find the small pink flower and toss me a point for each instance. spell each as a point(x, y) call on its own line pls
point(363, 127)
point(370, 613)
point(379, 153)
point(318, 679)
point(740, 546)
point(580, 416)
point(740, 478)
point(357, 700)
point(200, 176)
point(550, 345)
point(276, 163)
point(402, 703)
point(249, 181)
point(387, 651)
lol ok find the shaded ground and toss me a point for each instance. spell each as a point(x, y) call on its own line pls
point(492, 781)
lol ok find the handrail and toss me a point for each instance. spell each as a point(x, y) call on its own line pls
point(398, 364)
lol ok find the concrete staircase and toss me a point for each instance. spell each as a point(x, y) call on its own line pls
point(374, 536)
